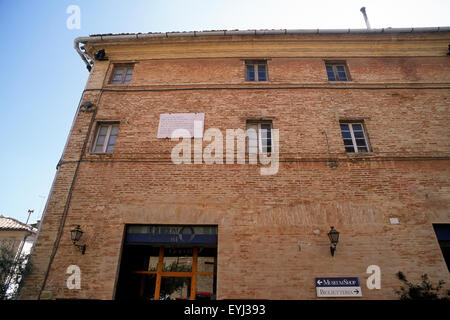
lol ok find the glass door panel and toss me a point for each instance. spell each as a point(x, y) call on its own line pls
point(206, 259)
point(205, 287)
point(168, 273)
point(178, 259)
point(175, 288)
point(153, 259)
point(148, 286)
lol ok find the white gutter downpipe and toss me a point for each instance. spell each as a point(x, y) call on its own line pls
point(76, 45)
point(366, 19)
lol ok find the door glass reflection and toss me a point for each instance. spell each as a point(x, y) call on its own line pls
point(175, 288)
point(177, 259)
point(205, 289)
point(148, 286)
point(153, 259)
point(206, 259)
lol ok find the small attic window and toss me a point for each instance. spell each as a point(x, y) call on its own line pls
point(122, 74)
point(256, 70)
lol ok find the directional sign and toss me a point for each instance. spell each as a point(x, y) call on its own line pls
point(338, 287)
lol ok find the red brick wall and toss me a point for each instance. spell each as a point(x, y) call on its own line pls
point(288, 70)
point(262, 219)
point(399, 122)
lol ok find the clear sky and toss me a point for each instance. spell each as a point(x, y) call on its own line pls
point(42, 77)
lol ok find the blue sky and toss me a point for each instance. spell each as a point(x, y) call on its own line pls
point(43, 77)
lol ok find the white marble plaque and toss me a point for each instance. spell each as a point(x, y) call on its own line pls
point(192, 123)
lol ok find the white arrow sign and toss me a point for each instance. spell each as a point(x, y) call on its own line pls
point(338, 287)
point(338, 292)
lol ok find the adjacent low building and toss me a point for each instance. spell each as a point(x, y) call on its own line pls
point(213, 165)
point(16, 242)
point(16, 236)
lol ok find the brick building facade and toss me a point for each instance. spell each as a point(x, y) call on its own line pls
point(363, 123)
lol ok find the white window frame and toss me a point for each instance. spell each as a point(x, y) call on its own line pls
point(107, 137)
point(255, 70)
point(126, 68)
point(334, 66)
point(259, 135)
point(352, 134)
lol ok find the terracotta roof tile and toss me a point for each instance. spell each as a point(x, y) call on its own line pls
point(7, 223)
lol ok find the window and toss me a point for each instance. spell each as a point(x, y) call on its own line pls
point(354, 137)
point(106, 137)
point(259, 137)
point(337, 71)
point(256, 70)
point(122, 74)
point(443, 235)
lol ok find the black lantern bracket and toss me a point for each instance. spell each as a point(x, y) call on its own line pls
point(333, 235)
point(75, 236)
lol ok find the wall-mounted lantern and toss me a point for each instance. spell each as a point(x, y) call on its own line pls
point(334, 239)
point(75, 235)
